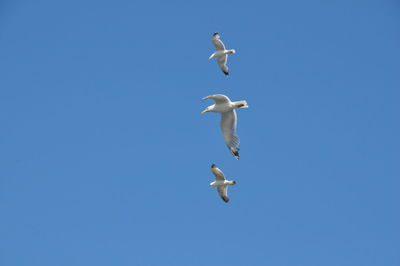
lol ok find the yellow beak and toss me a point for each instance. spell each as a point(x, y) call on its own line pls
point(205, 111)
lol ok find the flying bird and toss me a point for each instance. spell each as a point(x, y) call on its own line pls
point(221, 53)
point(221, 183)
point(227, 108)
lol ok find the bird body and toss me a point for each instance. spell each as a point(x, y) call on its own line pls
point(221, 183)
point(230, 106)
point(227, 108)
point(221, 53)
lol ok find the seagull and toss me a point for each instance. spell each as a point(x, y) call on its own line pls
point(221, 53)
point(227, 108)
point(221, 183)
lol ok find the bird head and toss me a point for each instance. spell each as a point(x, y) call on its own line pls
point(206, 110)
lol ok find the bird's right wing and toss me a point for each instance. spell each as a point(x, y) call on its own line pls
point(228, 127)
point(219, 45)
point(217, 172)
point(223, 192)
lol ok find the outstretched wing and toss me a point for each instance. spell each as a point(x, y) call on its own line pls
point(223, 192)
point(217, 172)
point(218, 98)
point(228, 127)
point(222, 64)
point(219, 45)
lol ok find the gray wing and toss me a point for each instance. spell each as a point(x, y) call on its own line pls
point(223, 192)
point(219, 45)
point(218, 98)
point(217, 172)
point(222, 64)
point(228, 127)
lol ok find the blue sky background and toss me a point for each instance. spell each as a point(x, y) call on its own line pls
point(90, 174)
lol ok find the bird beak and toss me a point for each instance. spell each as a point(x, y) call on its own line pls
point(205, 111)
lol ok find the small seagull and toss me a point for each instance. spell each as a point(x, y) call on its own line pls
point(221, 53)
point(221, 183)
point(227, 108)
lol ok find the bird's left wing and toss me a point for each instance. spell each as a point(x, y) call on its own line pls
point(223, 192)
point(218, 98)
point(222, 64)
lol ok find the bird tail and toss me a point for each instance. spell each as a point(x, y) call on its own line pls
point(241, 104)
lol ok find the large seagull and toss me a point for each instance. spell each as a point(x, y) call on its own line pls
point(227, 108)
point(221, 183)
point(221, 53)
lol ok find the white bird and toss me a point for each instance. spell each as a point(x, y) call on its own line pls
point(227, 108)
point(221, 53)
point(221, 183)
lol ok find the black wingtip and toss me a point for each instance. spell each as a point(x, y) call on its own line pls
point(226, 73)
point(226, 199)
point(213, 166)
point(236, 154)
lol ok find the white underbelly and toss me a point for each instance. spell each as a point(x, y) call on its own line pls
point(222, 108)
point(218, 183)
point(220, 53)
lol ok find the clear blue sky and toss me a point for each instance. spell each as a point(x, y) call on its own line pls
point(90, 175)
